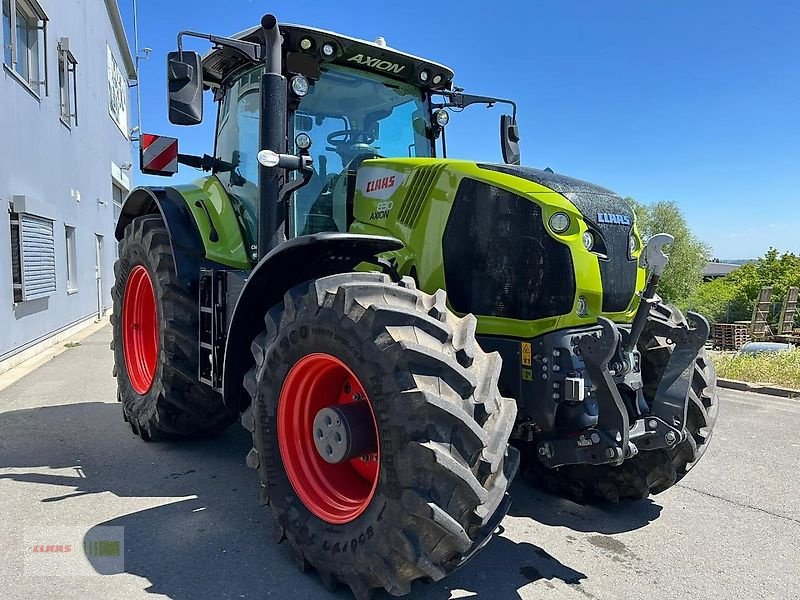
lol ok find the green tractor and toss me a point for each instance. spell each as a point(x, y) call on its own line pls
point(299, 288)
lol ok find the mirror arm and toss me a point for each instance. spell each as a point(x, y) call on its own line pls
point(250, 51)
point(459, 100)
point(206, 163)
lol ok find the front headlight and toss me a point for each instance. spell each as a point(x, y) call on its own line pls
point(633, 245)
point(559, 222)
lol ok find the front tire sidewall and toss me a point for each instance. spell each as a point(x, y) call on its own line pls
point(308, 336)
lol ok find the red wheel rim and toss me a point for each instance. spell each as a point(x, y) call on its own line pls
point(140, 330)
point(336, 493)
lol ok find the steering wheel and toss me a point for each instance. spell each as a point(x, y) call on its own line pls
point(350, 137)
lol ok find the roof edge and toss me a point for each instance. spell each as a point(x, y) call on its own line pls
point(122, 39)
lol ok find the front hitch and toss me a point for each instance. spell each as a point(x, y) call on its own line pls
point(614, 438)
point(609, 442)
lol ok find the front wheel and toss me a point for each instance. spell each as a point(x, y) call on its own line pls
point(379, 433)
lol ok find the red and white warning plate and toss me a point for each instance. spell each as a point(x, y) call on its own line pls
point(159, 154)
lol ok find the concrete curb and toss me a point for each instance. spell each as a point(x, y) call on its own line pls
point(758, 388)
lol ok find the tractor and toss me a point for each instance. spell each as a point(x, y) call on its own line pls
point(398, 331)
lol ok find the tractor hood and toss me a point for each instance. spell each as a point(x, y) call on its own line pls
point(607, 215)
point(500, 255)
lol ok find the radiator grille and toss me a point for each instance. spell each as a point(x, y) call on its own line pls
point(500, 261)
point(618, 270)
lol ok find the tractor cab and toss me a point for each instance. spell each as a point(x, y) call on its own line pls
point(346, 101)
point(341, 119)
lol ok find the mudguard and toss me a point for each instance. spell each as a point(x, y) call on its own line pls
point(184, 236)
point(301, 259)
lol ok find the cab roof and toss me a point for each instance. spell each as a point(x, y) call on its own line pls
point(301, 43)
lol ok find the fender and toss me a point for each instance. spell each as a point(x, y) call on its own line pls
point(184, 236)
point(301, 259)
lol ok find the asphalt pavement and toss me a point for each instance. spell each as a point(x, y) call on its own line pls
point(193, 528)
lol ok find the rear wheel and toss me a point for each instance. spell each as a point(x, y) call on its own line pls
point(649, 472)
point(379, 433)
point(155, 341)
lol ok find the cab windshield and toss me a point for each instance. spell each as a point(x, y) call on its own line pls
point(349, 115)
point(352, 116)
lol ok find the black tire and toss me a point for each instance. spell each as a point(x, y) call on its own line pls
point(649, 472)
point(177, 405)
point(443, 428)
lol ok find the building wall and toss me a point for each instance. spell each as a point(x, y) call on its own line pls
point(65, 173)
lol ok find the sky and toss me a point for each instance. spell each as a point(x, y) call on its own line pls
point(694, 102)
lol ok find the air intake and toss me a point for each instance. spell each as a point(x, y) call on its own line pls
point(419, 188)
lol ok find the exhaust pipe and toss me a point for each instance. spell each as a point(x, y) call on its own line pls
point(273, 41)
point(272, 137)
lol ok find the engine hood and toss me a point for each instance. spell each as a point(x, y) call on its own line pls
point(608, 215)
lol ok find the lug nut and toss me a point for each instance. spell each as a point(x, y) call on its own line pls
point(595, 437)
point(670, 437)
point(652, 423)
point(610, 453)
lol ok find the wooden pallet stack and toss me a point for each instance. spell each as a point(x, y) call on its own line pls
point(730, 336)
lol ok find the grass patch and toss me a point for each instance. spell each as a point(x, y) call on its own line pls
point(776, 368)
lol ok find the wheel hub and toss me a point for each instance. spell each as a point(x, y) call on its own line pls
point(344, 432)
point(328, 438)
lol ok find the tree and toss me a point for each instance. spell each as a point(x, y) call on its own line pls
point(731, 298)
point(688, 255)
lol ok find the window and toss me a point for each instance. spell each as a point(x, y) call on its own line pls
point(237, 147)
point(16, 258)
point(117, 198)
point(24, 41)
point(72, 262)
point(351, 116)
point(33, 257)
point(67, 83)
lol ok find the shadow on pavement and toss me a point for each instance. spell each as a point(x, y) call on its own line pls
point(548, 509)
point(212, 539)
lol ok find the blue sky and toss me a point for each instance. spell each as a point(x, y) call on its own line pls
point(696, 102)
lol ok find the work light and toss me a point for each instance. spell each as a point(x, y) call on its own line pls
point(299, 85)
point(302, 141)
point(328, 50)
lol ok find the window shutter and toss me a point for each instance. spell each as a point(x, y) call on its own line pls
point(38, 255)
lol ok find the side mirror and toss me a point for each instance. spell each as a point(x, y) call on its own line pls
point(509, 140)
point(185, 85)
